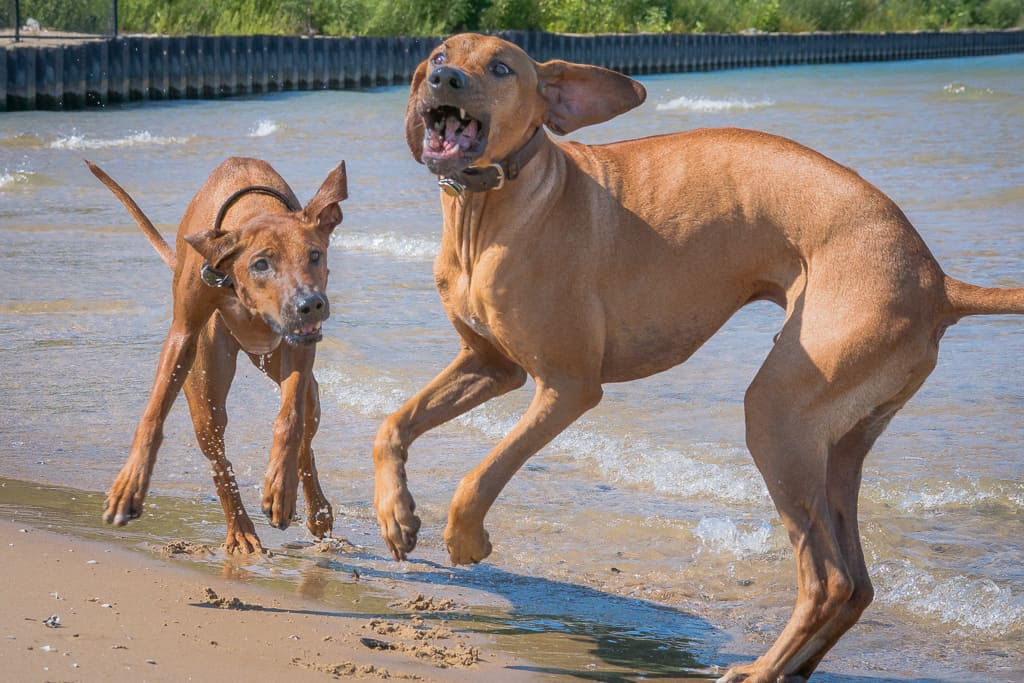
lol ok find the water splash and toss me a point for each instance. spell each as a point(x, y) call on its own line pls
point(12, 179)
point(263, 128)
point(723, 535)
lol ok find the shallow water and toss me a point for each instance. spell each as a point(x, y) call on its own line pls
point(651, 496)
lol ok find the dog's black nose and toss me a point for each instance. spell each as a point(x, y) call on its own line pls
point(312, 306)
point(447, 77)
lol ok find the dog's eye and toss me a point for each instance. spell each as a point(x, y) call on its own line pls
point(439, 58)
point(314, 256)
point(501, 69)
point(260, 265)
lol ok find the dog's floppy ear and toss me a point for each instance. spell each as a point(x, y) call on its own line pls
point(323, 208)
point(579, 95)
point(414, 130)
point(216, 246)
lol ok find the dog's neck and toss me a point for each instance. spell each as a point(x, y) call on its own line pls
point(494, 176)
point(472, 220)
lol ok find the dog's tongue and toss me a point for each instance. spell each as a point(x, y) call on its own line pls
point(455, 137)
point(459, 135)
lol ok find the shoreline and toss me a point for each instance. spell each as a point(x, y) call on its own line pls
point(106, 613)
point(131, 604)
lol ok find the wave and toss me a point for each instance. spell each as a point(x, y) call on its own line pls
point(22, 141)
point(13, 179)
point(706, 105)
point(377, 396)
point(141, 138)
point(975, 605)
point(946, 495)
point(402, 247)
point(969, 92)
point(733, 479)
point(263, 128)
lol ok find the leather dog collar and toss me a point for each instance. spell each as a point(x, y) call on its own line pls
point(493, 177)
point(210, 275)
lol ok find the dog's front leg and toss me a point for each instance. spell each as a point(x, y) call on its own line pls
point(319, 515)
point(281, 483)
point(125, 498)
point(476, 375)
point(556, 404)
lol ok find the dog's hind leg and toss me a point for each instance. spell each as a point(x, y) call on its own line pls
point(207, 389)
point(845, 464)
point(823, 396)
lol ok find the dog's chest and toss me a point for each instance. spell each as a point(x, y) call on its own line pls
point(251, 333)
point(468, 307)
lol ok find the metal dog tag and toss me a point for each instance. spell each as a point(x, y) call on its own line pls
point(450, 187)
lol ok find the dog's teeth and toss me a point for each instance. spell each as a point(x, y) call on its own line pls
point(462, 113)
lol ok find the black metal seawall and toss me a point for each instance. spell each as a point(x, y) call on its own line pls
point(126, 69)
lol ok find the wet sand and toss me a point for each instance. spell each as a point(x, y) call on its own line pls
point(82, 610)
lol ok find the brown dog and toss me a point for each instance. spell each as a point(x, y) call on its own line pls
point(581, 265)
point(250, 270)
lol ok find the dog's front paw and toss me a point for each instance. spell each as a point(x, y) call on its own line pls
point(753, 673)
point(319, 518)
point(241, 538)
point(280, 490)
point(125, 498)
point(467, 543)
point(399, 524)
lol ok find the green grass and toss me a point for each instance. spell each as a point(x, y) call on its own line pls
point(439, 17)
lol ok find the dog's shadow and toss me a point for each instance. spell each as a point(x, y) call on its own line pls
point(606, 637)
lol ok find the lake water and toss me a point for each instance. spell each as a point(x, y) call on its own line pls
point(651, 498)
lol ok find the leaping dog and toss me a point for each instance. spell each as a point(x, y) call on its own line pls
point(580, 265)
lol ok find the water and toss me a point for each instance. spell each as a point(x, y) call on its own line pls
point(649, 497)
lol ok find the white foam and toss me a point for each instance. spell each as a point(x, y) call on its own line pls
point(706, 105)
point(263, 128)
point(12, 178)
point(945, 495)
point(977, 605)
point(390, 244)
point(376, 397)
point(723, 535)
point(704, 471)
point(141, 138)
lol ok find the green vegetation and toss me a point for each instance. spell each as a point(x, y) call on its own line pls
point(438, 17)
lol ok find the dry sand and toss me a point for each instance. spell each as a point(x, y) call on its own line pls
point(76, 610)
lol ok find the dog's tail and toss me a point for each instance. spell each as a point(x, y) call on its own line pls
point(155, 238)
point(967, 299)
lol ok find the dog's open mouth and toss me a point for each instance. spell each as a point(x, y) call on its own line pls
point(452, 139)
point(306, 334)
point(299, 334)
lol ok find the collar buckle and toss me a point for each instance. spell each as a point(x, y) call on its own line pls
point(499, 171)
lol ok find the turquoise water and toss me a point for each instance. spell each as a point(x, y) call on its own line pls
point(658, 472)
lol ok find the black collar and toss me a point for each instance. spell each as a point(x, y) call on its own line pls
point(210, 275)
point(493, 177)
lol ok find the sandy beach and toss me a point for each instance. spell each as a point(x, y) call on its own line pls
point(76, 610)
